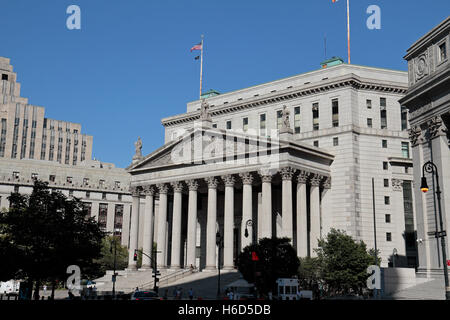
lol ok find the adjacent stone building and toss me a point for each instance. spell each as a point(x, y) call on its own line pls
point(329, 132)
point(34, 147)
point(428, 103)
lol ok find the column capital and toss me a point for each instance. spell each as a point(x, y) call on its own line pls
point(135, 191)
point(415, 136)
point(149, 190)
point(247, 178)
point(397, 184)
point(212, 182)
point(177, 186)
point(266, 176)
point(302, 177)
point(229, 180)
point(287, 173)
point(436, 127)
point(315, 180)
point(192, 185)
point(327, 183)
point(163, 188)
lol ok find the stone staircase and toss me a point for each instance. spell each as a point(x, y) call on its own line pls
point(204, 284)
point(426, 289)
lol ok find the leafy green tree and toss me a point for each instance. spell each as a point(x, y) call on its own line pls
point(46, 232)
point(309, 273)
point(276, 259)
point(343, 263)
point(106, 262)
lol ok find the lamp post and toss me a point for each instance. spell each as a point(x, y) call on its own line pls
point(249, 223)
point(430, 167)
point(219, 244)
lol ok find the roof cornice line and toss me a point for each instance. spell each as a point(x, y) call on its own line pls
point(286, 95)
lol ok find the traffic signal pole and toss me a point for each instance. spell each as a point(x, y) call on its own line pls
point(155, 267)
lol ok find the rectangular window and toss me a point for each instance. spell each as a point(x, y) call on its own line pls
point(335, 112)
point(404, 119)
point(316, 143)
point(118, 219)
point(385, 165)
point(369, 122)
point(387, 200)
point(104, 196)
point(335, 141)
point(262, 124)
point(383, 102)
point(4, 77)
point(387, 218)
point(245, 124)
point(101, 183)
point(315, 112)
point(297, 119)
point(69, 180)
point(16, 175)
point(87, 207)
point(369, 104)
point(34, 176)
point(117, 184)
point(214, 125)
point(386, 182)
point(279, 119)
point(383, 117)
point(384, 143)
point(102, 215)
point(442, 52)
point(405, 150)
point(88, 194)
point(228, 125)
point(52, 178)
point(388, 236)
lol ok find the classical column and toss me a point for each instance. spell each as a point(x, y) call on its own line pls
point(286, 205)
point(314, 213)
point(192, 223)
point(134, 228)
point(302, 215)
point(211, 224)
point(398, 217)
point(176, 225)
point(247, 180)
point(266, 220)
point(162, 218)
point(148, 227)
point(228, 222)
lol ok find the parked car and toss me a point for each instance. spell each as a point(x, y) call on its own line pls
point(145, 295)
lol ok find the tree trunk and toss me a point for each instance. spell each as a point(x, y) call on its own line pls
point(36, 290)
point(53, 290)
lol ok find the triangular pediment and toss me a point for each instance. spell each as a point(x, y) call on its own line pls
point(204, 145)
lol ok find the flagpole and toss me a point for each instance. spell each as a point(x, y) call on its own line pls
point(201, 69)
point(348, 29)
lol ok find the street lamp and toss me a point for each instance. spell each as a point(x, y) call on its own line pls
point(249, 223)
point(219, 244)
point(430, 167)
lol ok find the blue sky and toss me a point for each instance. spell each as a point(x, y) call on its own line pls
point(130, 65)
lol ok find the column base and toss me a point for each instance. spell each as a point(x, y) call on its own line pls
point(131, 268)
point(228, 268)
point(173, 268)
point(210, 269)
point(145, 268)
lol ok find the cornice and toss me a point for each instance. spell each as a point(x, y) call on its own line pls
point(351, 80)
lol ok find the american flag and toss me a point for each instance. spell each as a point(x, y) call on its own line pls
point(197, 47)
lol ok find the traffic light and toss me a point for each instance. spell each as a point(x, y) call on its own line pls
point(135, 256)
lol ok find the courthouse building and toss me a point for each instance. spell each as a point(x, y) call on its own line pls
point(34, 147)
point(290, 158)
point(428, 103)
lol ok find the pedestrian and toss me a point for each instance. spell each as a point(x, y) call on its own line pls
point(230, 295)
point(166, 293)
point(191, 294)
point(178, 293)
point(45, 289)
point(137, 289)
point(175, 292)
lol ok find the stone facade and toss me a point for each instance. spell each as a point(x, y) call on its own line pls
point(350, 112)
point(27, 134)
point(34, 147)
point(428, 103)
